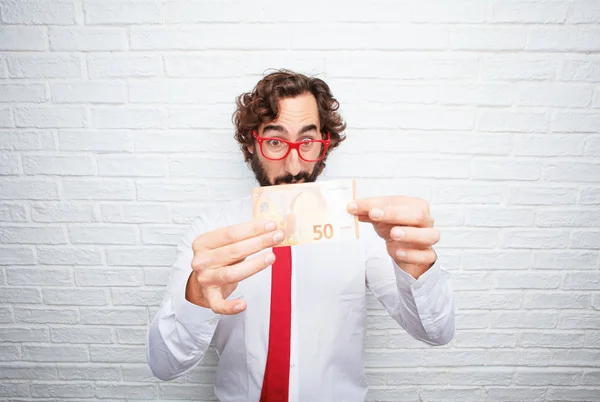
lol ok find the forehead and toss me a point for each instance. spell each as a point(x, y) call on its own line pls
point(297, 110)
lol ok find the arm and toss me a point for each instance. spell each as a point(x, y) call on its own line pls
point(181, 332)
point(424, 307)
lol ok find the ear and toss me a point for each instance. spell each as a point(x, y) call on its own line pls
point(251, 149)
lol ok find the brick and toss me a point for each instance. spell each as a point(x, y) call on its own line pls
point(453, 358)
point(46, 315)
point(214, 11)
point(210, 36)
point(23, 334)
point(380, 116)
point(23, 38)
point(499, 217)
point(515, 11)
point(184, 391)
point(392, 394)
point(551, 339)
point(133, 372)
point(50, 116)
point(78, 297)
point(26, 140)
point(516, 394)
point(135, 213)
point(87, 38)
point(188, 167)
point(554, 94)
point(122, 12)
point(495, 260)
point(39, 276)
point(580, 70)
point(80, 335)
point(364, 91)
point(469, 11)
point(505, 169)
point(532, 238)
point(128, 117)
point(568, 218)
point(44, 65)
point(118, 354)
point(467, 193)
point(17, 256)
point(572, 394)
point(61, 165)
point(480, 238)
point(98, 189)
point(579, 357)
point(138, 166)
point(23, 93)
point(9, 295)
point(39, 12)
point(517, 67)
point(122, 65)
point(88, 372)
point(520, 280)
point(478, 376)
point(486, 339)
point(488, 38)
point(486, 300)
point(352, 65)
point(565, 260)
point(132, 336)
point(182, 91)
point(518, 319)
point(186, 141)
point(590, 378)
point(589, 195)
point(27, 372)
point(108, 277)
point(6, 117)
point(106, 316)
point(498, 120)
point(571, 171)
point(592, 146)
point(218, 64)
point(555, 300)
point(581, 281)
point(256, 63)
point(216, 116)
point(485, 94)
point(32, 235)
point(70, 255)
point(103, 234)
point(62, 390)
point(349, 36)
point(173, 190)
point(518, 357)
point(162, 235)
point(128, 391)
point(55, 212)
point(156, 276)
point(149, 256)
point(185, 214)
point(11, 389)
point(584, 11)
point(13, 213)
point(542, 195)
point(585, 239)
point(580, 320)
point(9, 164)
point(577, 122)
point(89, 92)
point(96, 140)
point(567, 38)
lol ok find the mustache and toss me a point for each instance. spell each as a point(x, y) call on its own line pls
point(290, 179)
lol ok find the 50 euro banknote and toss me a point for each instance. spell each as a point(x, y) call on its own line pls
point(308, 212)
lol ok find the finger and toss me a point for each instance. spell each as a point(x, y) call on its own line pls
point(414, 256)
point(232, 253)
point(233, 234)
point(222, 306)
point(238, 272)
point(420, 237)
point(401, 215)
point(364, 205)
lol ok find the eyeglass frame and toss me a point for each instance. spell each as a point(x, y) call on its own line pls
point(292, 145)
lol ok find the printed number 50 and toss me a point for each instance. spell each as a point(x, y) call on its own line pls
point(327, 231)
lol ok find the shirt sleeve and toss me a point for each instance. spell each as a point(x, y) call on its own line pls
point(423, 307)
point(180, 332)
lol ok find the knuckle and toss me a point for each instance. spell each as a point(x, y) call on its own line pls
point(201, 262)
point(235, 252)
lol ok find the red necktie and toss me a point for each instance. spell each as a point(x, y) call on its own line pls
point(277, 372)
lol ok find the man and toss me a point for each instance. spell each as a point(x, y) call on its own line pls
point(226, 284)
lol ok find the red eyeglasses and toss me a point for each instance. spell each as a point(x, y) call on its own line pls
point(276, 149)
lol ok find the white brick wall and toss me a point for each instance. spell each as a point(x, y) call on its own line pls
point(115, 132)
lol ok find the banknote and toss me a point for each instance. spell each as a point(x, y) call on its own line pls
point(308, 212)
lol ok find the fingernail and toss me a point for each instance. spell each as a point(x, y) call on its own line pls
point(271, 226)
point(398, 233)
point(238, 307)
point(352, 207)
point(377, 213)
point(270, 259)
point(278, 236)
point(401, 253)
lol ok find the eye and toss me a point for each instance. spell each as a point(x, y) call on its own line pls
point(274, 143)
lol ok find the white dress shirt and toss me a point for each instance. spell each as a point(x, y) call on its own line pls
point(328, 316)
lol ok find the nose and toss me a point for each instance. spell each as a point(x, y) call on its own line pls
point(292, 163)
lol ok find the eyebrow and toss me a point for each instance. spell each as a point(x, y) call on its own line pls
point(281, 129)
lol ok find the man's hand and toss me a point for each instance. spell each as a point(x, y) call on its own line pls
point(220, 262)
point(406, 226)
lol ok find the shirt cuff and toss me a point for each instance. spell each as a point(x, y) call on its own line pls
point(426, 282)
point(195, 318)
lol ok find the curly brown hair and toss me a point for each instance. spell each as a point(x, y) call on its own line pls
point(261, 105)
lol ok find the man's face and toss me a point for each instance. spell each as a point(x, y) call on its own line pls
point(298, 119)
